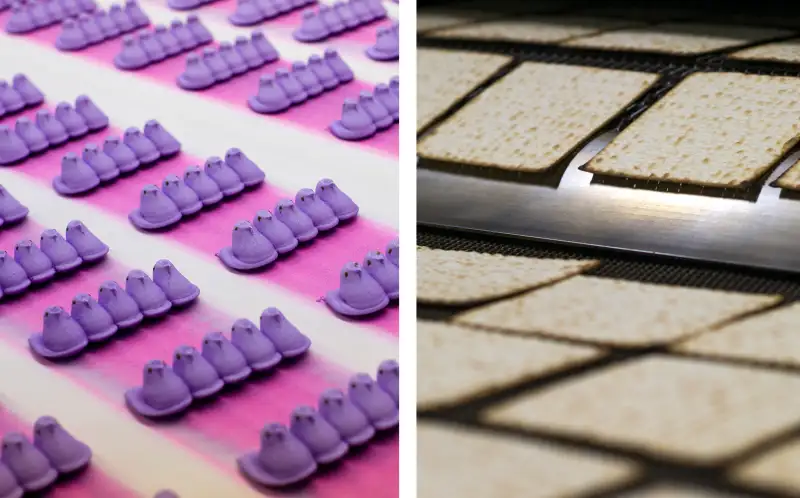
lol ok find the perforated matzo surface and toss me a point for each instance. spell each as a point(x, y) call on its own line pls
point(785, 51)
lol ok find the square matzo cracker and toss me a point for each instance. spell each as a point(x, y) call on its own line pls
point(665, 406)
point(769, 337)
point(444, 76)
point(457, 363)
point(678, 38)
point(709, 130)
point(532, 29)
point(615, 312)
point(456, 462)
point(534, 116)
point(785, 51)
point(461, 278)
point(778, 469)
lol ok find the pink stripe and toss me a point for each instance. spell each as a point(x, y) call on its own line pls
point(92, 482)
point(310, 271)
point(316, 114)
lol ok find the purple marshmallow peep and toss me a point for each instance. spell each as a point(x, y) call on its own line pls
point(39, 14)
point(388, 99)
point(27, 462)
point(10, 98)
point(123, 156)
point(346, 15)
point(71, 37)
point(306, 78)
point(358, 293)
point(120, 18)
point(12, 148)
point(64, 452)
point(178, 289)
point(290, 86)
point(247, 14)
point(394, 85)
point(234, 61)
point(384, 272)
point(342, 205)
point(164, 142)
point(393, 252)
point(184, 198)
point(288, 340)
point(166, 493)
point(226, 358)
point(11, 211)
point(197, 75)
point(76, 176)
point(248, 53)
point(55, 10)
point(273, 229)
point(31, 135)
point(120, 305)
point(20, 21)
point(271, 98)
point(106, 25)
point(355, 123)
point(151, 299)
point(182, 35)
point(87, 5)
point(320, 213)
point(389, 378)
point(95, 118)
point(89, 247)
point(70, 8)
point(196, 372)
point(311, 29)
point(282, 6)
point(72, 121)
point(132, 55)
point(9, 487)
point(263, 47)
point(387, 45)
point(162, 393)
point(376, 8)
point(323, 72)
point(102, 164)
point(95, 321)
point(30, 94)
point(249, 250)
point(281, 460)
point(298, 222)
point(183, 4)
point(135, 14)
point(63, 256)
point(37, 265)
point(257, 349)
point(319, 436)
point(155, 52)
point(339, 67)
point(379, 114)
point(51, 127)
point(361, 11)
point(250, 174)
point(199, 32)
point(167, 40)
point(155, 211)
point(206, 189)
point(376, 404)
point(351, 423)
point(90, 29)
point(61, 336)
point(267, 8)
point(216, 64)
point(145, 150)
point(13, 279)
point(331, 19)
point(224, 176)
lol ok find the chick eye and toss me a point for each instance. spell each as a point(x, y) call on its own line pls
point(345, 274)
point(74, 301)
point(205, 342)
point(302, 199)
point(177, 356)
point(235, 228)
point(353, 385)
point(369, 262)
point(388, 251)
point(149, 370)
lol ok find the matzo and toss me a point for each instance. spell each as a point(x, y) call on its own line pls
point(457, 363)
point(790, 179)
point(615, 312)
point(785, 51)
point(769, 337)
point(534, 116)
point(468, 464)
point(458, 277)
point(531, 30)
point(676, 491)
point(678, 38)
point(778, 469)
point(709, 130)
point(444, 76)
point(680, 408)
